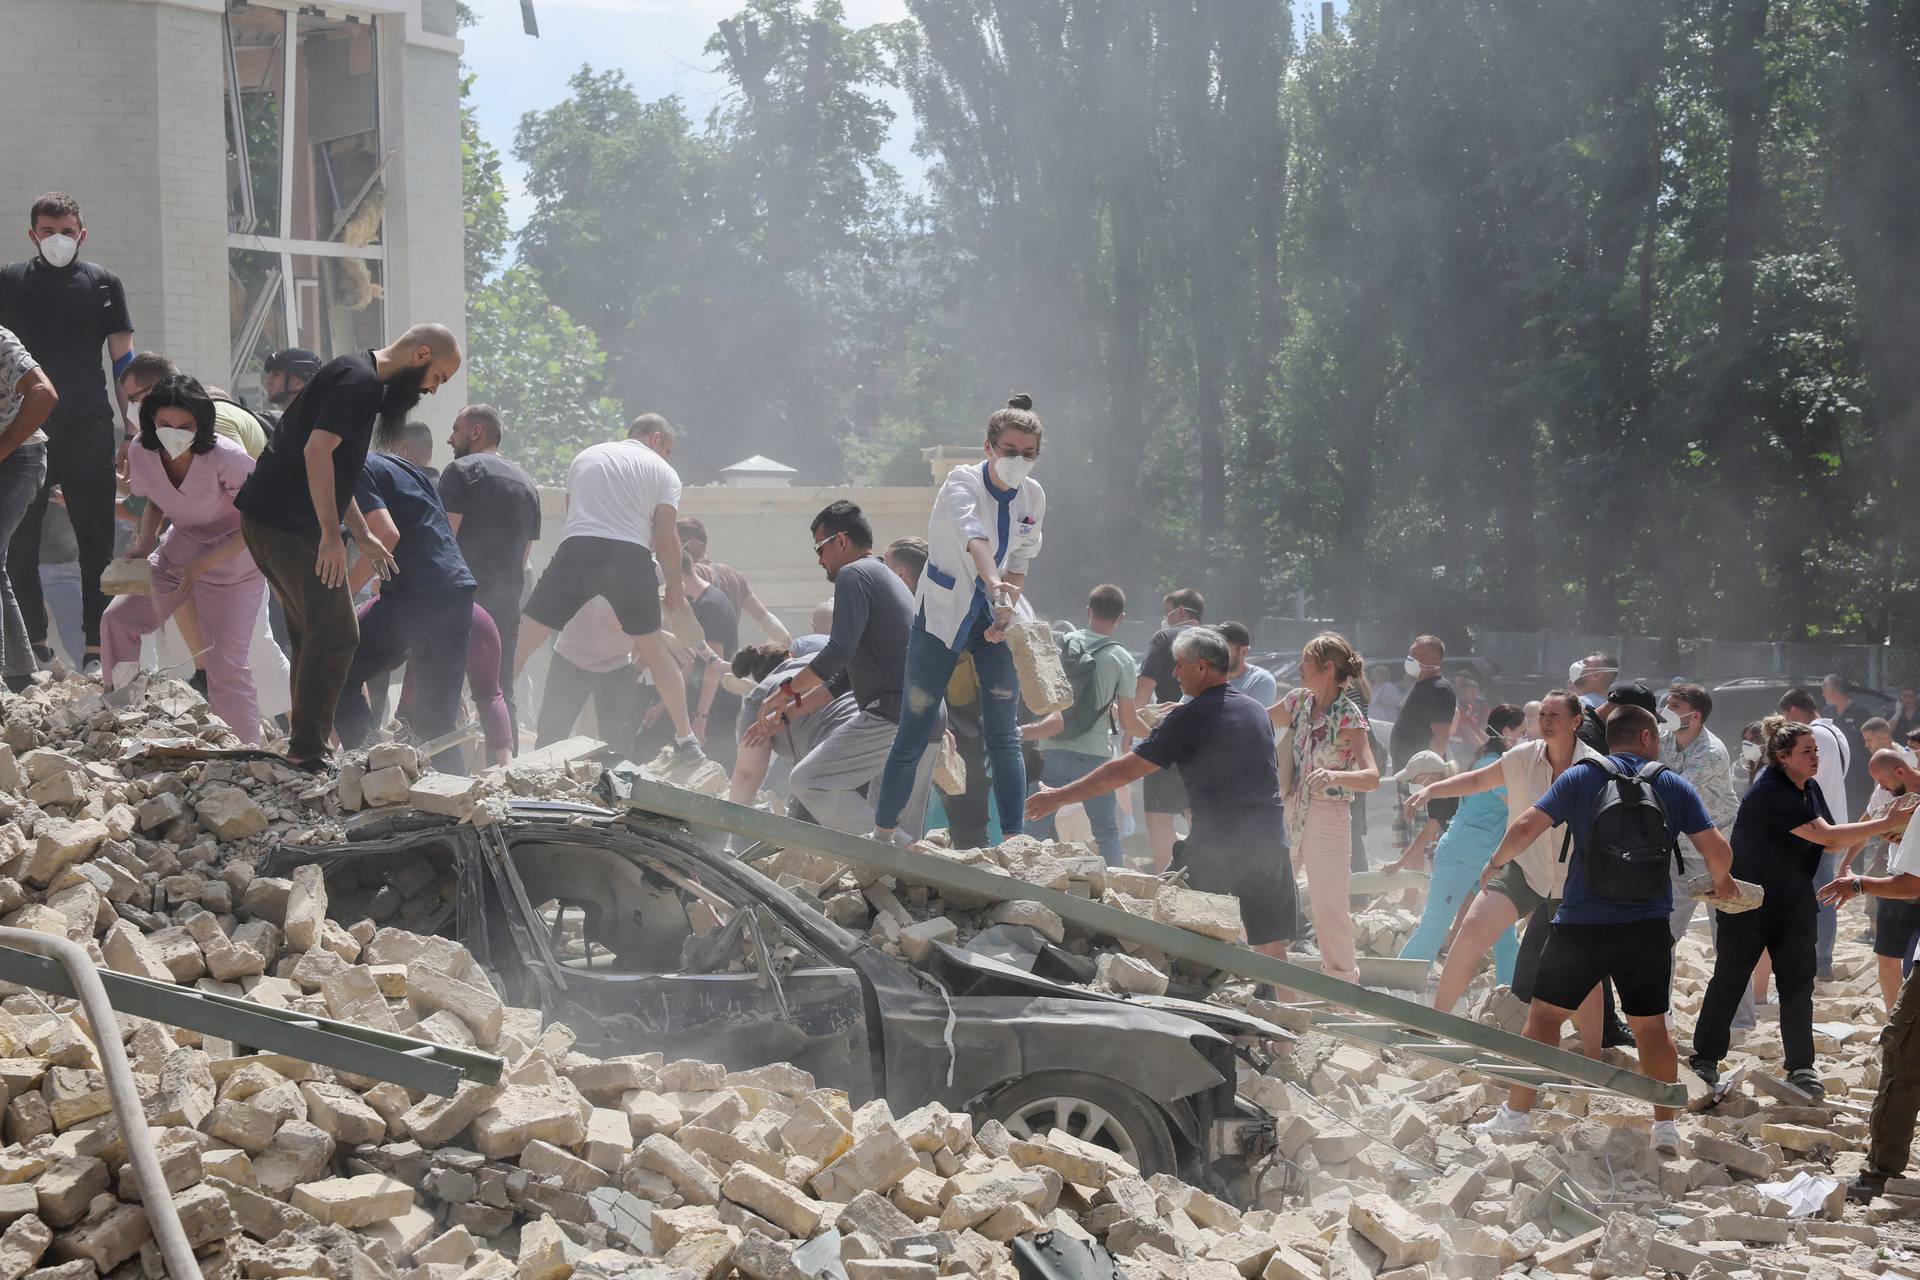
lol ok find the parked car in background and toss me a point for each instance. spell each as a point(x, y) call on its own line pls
point(1737, 703)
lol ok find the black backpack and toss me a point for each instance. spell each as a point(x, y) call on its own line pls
point(1078, 653)
point(1628, 841)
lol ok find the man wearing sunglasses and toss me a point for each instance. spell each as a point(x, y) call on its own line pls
point(867, 650)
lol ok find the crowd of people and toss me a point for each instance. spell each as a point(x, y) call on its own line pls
point(310, 546)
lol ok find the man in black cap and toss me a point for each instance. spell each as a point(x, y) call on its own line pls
point(1625, 693)
point(287, 373)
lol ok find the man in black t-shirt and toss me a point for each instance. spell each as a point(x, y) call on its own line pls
point(1848, 715)
point(1165, 791)
point(62, 310)
point(497, 545)
point(302, 487)
point(1222, 743)
point(1425, 724)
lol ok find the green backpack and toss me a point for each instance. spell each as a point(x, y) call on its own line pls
point(1078, 653)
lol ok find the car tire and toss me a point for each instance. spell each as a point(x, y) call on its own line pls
point(1093, 1108)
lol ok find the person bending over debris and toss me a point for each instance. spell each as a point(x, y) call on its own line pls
point(1896, 924)
point(868, 647)
point(426, 609)
point(302, 488)
point(1612, 922)
point(592, 659)
point(1779, 836)
point(622, 503)
point(189, 476)
point(770, 666)
point(1222, 743)
point(1463, 851)
point(1896, 1102)
point(1529, 887)
point(981, 539)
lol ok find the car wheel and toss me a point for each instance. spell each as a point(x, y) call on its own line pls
point(1093, 1109)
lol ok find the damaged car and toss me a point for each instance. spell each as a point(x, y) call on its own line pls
point(641, 938)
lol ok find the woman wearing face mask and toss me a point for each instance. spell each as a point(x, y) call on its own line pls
point(981, 539)
point(1782, 829)
point(1462, 853)
point(189, 474)
point(1332, 762)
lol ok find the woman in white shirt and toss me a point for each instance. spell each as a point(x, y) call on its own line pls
point(983, 535)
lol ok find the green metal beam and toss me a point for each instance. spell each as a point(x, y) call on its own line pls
point(697, 810)
point(363, 1051)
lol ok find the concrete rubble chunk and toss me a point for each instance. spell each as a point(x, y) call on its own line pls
point(1044, 686)
point(354, 1202)
point(429, 990)
point(229, 813)
point(306, 908)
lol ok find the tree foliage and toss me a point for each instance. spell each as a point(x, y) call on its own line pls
point(1454, 315)
point(525, 356)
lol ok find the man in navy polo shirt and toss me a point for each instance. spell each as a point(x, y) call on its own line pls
point(425, 610)
point(1599, 939)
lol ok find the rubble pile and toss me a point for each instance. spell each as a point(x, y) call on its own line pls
point(124, 837)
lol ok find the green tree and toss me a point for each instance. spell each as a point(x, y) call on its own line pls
point(525, 356)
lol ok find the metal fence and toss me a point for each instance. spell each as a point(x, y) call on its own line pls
point(1880, 666)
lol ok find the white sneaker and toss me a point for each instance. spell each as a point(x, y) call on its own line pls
point(1666, 1137)
point(1505, 1120)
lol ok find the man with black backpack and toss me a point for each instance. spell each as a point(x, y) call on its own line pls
point(1075, 742)
point(1624, 815)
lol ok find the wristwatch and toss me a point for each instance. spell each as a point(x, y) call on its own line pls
point(1858, 886)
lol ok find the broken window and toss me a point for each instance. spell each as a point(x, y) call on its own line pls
point(603, 912)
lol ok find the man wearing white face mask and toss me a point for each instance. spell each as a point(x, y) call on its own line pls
point(1696, 753)
point(1424, 724)
point(63, 309)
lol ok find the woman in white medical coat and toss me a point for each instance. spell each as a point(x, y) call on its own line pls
point(981, 540)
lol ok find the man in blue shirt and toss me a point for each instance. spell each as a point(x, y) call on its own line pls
point(425, 610)
point(1597, 939)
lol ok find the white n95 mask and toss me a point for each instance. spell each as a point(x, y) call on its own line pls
point(58, 250)
point(175, 440)
point(1013, 470)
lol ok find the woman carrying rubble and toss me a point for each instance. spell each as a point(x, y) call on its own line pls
point(1332, 761)
point(1463, 850)
point(981, 539)
point(189, 474)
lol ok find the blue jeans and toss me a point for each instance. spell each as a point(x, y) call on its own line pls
point(1057, 769)
point(60, 588)
point(1828, 920)
point(929, 666)
point(22, 473)
point(1454, 881)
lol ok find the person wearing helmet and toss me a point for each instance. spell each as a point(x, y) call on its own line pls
point(287, 373)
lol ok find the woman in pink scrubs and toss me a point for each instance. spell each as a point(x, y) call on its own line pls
point(189, 474)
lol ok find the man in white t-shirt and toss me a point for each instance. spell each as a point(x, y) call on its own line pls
point(1890, 1134)
point(592, 661)
point(622, 502)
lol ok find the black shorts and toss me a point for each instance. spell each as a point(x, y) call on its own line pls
point(1895, 924)
point(1636, 956)
point(583, 568)
point(1165, 792)
point(1512, 885)
point(1258, 872)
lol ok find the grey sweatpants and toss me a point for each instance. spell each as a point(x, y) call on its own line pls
point(827, 779)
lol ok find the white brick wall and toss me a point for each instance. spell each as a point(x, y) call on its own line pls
point(144, 153)
point(121, 103)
